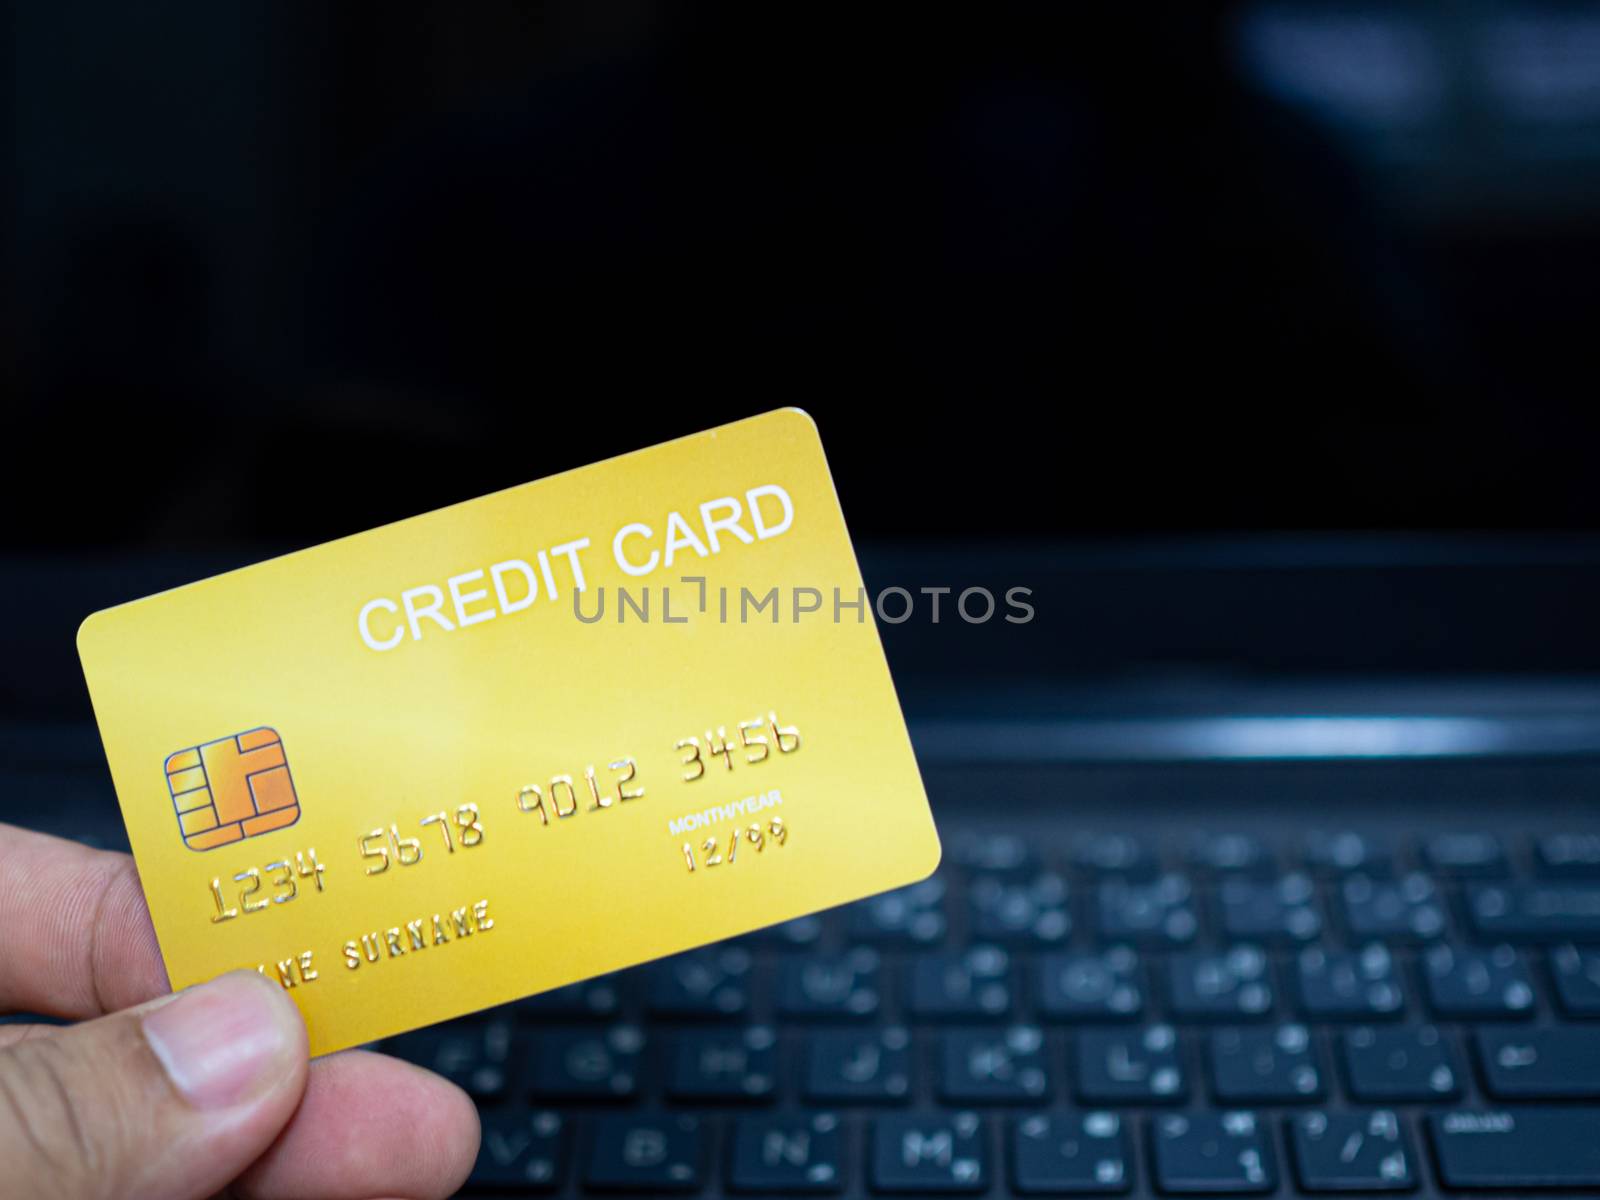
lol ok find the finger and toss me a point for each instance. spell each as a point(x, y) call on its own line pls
point(10, 1034)
point(370, 1126)
point(58, 888)
point(168, 1102)
point(85, 944)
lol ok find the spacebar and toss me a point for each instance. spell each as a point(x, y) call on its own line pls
point(1518, 1147)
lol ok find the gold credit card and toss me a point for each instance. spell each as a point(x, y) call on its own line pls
point(517, 742)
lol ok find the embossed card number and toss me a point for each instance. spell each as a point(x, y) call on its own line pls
point(756, 747)
point(387, 847)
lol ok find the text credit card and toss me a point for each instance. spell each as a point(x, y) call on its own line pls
point(517, 742)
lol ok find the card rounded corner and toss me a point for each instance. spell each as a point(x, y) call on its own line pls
point(794, 410)
point(93, 619)
point(933, 861)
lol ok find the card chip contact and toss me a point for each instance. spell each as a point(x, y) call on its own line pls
point(233, 788)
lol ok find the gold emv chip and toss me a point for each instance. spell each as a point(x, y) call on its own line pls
point(233, 788)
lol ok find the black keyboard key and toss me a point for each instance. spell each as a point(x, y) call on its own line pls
point(1071, 1154)
point(845, 987)
point(1562, 855)
point(1160, 912)
point(1021, 911)
point(1279, 910)
point(1091, 987)
point(1346, 853)
point(1265, 1066)
point(1501, 1149)
point(731, 1064)
point(1001, 1066)
point(520, 1152)
point(1134, 1066)
point(1115, 854)
point(803, 1153)
point(1556, 1063)
point(850, 1067)
point(474, 1055)
point(1003, 854)
point(1404, 909)
point(802, 933)
point(1352, 1152)
point(1472, 983)
point(706, 985)
point(597, 998)
point(1397, 1065)
point(1231, 854)
point(1467, 855)
point(944, 1153)
point(909, 916)
point(1577, 973)
point(972, 985)
point(587, 1064)
point(1349, 985)
point(1536, 912)
point(642, 1152)
point(1233, 985)
point(1227, 1153)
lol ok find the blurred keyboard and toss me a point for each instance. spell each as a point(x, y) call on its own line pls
point(1218, 1013)
point(1139, 980)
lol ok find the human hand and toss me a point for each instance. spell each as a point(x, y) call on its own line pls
point(185, 1096)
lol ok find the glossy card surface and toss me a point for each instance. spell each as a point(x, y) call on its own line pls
point(518, 742)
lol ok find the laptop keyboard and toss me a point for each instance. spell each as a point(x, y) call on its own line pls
point(1105, 1015)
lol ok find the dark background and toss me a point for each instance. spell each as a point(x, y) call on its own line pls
point(1260, 333)
point(285, 271)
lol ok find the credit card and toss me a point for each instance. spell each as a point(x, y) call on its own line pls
point(518, 742)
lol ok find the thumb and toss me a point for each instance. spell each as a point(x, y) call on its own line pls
point(168, 1101)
